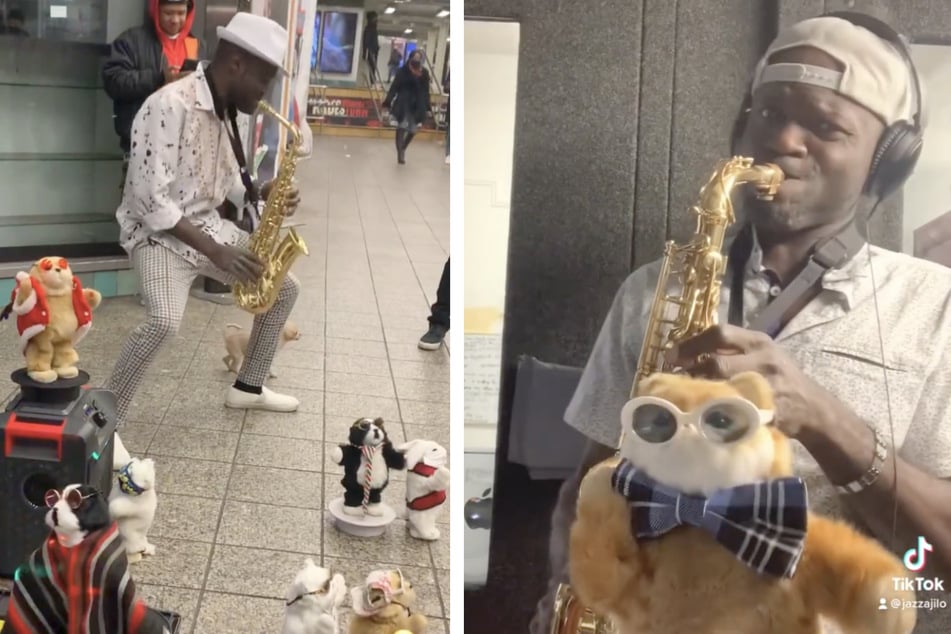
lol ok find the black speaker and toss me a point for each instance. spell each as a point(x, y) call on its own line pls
point(51, 435)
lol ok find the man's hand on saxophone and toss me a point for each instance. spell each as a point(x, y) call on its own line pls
point(724, 351)
point(838, 439)
point(293, 196)
point(237, 261)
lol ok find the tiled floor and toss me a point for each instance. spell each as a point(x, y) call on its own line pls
point(242, 496)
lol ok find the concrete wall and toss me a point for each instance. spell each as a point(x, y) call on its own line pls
point(623, 108)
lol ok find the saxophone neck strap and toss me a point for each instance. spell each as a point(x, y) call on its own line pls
point(234, 135)
point(829, 254)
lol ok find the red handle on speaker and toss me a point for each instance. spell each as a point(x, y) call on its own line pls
point(18, 431)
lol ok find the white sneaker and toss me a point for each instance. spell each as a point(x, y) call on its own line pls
point(266, 400)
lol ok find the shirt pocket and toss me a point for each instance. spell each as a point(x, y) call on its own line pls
point(872, 389)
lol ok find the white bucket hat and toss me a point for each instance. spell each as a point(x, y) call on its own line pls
point(262, 37)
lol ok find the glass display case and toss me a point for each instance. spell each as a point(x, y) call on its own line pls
point(60, 163)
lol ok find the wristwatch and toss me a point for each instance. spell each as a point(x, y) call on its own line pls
point(869, 477)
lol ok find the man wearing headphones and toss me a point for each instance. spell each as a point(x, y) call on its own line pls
point(837, 107)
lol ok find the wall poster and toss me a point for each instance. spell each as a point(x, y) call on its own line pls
point(339, 40)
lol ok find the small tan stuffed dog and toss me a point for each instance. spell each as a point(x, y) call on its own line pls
point(54, 313)
point(678, 534)
point(236, 344)
point(383, 605)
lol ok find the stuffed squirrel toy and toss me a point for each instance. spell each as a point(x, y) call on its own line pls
point(384, 605)
point(54, 312)
point(699, 527)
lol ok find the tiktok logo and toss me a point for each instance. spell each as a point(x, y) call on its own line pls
point(915, 557)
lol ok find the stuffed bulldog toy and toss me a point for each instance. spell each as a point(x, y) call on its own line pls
point(78, 580)
point(699, 527)
point(53, 313)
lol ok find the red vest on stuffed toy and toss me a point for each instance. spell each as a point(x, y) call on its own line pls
point(430, 500)
point(33, 315)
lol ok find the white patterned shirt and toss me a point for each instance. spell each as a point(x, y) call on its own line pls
point(181, 164)
point(835, 340)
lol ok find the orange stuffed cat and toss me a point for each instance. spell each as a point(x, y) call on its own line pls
point(682, 578)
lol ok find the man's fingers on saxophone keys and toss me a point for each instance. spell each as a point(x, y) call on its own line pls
point(724, 366)
point(293, 200)
point(251, 265)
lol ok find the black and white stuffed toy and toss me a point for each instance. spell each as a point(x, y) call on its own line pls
point(78, 579)
point(367, 460)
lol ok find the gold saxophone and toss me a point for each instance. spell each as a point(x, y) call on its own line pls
point(686, 302)
point(277, 255)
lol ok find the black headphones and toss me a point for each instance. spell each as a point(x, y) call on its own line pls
point(900, 144)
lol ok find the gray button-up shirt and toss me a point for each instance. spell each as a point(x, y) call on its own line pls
point(880, 300)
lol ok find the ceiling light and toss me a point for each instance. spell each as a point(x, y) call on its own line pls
point(389, 10)
point(407, 31)
point(443, 13)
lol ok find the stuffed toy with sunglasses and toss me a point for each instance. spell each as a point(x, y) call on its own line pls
point(132, 504)
point(313, 601)
point(53, 313)
point(699, 526)
point(384, 605)
point(366, 460)
point(78, 580)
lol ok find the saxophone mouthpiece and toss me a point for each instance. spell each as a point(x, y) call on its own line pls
point(774, 177)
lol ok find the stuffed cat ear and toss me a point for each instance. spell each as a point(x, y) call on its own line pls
point(378, 421)
point(754, 387)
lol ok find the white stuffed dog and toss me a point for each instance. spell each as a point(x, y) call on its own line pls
point(427, 479)
point(312, 601)
point(120, 455)
point(132, 503)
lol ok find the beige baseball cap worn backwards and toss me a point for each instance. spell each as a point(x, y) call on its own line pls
point(874, 73)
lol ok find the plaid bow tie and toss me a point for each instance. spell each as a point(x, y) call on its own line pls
point(763, 524)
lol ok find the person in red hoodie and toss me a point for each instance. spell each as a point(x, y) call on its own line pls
point(145, 58)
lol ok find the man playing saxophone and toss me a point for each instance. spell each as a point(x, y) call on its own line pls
point(186, 160)
point(858, 361)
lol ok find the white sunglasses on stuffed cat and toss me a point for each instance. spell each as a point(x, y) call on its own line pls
point(726, 420)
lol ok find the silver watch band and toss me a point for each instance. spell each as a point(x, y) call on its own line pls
point(870, 476)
